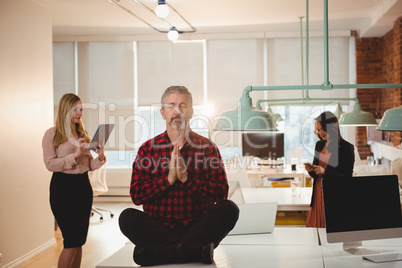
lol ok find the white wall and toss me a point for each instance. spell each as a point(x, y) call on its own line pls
point(26, 101)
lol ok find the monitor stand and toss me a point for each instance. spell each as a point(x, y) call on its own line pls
point(356, 248)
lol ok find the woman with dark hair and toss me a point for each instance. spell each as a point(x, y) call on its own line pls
point(333, 159)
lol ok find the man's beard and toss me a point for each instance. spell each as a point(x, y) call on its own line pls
point(178, 124)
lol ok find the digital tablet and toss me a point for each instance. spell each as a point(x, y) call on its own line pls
point(102, 133)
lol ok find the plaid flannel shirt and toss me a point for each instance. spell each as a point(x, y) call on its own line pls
point(181, 202)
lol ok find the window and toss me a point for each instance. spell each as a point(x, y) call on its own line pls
point(122, 81)
point(151, 124)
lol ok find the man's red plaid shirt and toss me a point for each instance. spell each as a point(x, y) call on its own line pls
point(181, 202)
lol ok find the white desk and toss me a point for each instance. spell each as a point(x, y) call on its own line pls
point(283, 248)
point(261, 173)
point(236, 256)
point(283, 196)
point(281, 236)
point(366, 170)
point(390, 242)
point(334, 256)
point(263, 256)
point(124, 259)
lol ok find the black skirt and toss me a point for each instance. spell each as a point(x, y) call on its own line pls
point(71, 203)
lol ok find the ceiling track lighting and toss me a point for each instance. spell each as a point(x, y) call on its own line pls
point(173, 34)
point(162, 10)
point(162, 4)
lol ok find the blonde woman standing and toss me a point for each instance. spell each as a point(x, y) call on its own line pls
point(65, 153)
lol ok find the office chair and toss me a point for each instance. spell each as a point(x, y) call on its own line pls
point(239, 175)
point(237, 179)
point(99, 187)
point(235, 192)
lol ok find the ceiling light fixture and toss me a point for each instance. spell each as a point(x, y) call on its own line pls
point(245, 117)
point(162, 10)
point(277, 117)
point(160, 3)
point(316, 101)
point(357, 118)
point(338, 111)
point(392, 120)
point(244, 114)
point(173, 34)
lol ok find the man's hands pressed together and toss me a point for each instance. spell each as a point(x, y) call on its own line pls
point(177, 168)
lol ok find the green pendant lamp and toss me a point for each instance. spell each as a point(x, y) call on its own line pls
point(392, 120)
point(357, 118)
point(245, 117)
point(277, 117)
point(338, 111)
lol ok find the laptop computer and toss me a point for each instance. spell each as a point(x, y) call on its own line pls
point(255, 218)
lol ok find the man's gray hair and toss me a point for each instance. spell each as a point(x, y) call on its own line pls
point(176, 89)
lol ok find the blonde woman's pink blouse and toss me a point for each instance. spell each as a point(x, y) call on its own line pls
point(61, 159)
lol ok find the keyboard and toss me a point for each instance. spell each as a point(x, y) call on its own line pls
point(384, 257)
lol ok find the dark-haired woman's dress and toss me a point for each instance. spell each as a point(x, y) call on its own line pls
point(315, 216)
point(338, 161)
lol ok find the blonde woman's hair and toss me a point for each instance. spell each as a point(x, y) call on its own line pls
point(65, 125)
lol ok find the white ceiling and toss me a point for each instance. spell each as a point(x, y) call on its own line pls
point(370, 18)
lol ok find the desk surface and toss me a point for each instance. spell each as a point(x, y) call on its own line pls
point(281, 236)
point(281, 249)
point(334, 256)
point(262, 256)
point(283, 196)
point(390, 242)
point(269, 172)
point(257, 176)
point(123, 258)
point(236, 256)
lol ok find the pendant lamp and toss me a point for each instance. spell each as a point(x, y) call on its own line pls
point(173, 34)
point(357, 118)
point(277, 117)
point(338, 111)
point(162, 10)
point(392, 120)
point(245, 117)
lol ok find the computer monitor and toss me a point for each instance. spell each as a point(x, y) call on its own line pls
point(263, 145)
point(362, 208)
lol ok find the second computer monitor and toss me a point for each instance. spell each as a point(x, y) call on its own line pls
point(263, 145)
point(362, 208)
